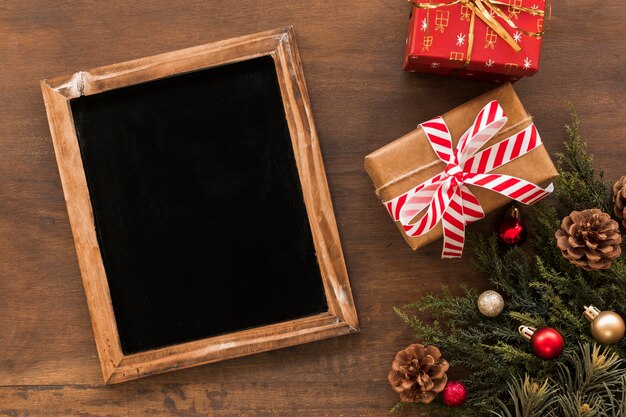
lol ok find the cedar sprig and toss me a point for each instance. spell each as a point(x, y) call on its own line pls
point(579, 187)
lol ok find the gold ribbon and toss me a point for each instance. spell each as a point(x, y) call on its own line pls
point(484, 9)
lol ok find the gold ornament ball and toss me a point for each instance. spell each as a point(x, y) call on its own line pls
point(608, 327)
point(490, 303)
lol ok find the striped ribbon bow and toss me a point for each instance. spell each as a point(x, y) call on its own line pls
point(446, 197)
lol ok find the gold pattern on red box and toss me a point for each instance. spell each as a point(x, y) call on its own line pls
point(513, 8)
point(441, 20)
point(497, 38)
point(428, 42)
point(456, 56)
point(490, 39)
point(466, 13)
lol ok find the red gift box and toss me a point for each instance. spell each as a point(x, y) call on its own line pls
point(454, 40)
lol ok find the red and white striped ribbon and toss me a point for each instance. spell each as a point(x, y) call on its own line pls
point(446, 198)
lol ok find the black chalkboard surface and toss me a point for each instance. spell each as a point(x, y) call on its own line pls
point(198, 205)
point(198, 201)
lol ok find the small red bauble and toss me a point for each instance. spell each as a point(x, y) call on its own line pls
point(454, 394)
point(546, 343)
point(511, 231)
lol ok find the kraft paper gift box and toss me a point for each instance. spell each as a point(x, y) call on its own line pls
point(412, 151)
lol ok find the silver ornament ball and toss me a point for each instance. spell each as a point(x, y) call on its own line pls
point(490, 303)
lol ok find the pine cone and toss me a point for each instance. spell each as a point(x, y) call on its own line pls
point(589, 239)
point(418, 373)
point(619, 199)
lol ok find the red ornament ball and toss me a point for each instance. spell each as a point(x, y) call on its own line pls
point(512, 232)
point(454, 394)
point(547, 343)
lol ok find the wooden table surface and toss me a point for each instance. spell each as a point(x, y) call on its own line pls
point(352, 53)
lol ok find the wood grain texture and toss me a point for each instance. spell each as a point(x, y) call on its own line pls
point(361, 100)
point(341, 317)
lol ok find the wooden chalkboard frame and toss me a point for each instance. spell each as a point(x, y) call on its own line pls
point(341, 317)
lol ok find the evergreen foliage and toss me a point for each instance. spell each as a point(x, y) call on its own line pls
point(540, 290)
point(589, 382)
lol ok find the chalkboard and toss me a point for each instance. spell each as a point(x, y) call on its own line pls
point(198, 201)
point(198, 206)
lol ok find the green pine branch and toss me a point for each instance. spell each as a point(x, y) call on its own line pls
point(579, 187)
point(589, 382)
point(529, 399)
point(539, 290)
